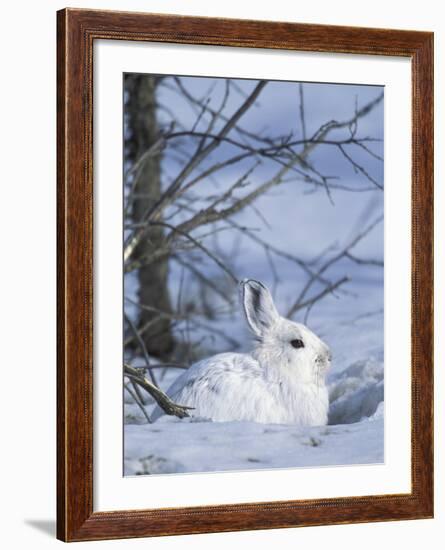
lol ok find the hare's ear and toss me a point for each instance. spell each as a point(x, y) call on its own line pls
point(258, 306)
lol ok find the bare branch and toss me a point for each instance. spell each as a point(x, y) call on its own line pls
point(197, 158)
point(141, 345)
point(309, 303)
point(359, 168)
point(302, 116)
point(200, 246)
point(361, 261)
point(162, 399)
point(329, 263)
point(177, 316)
point(199, 275)
point(368, 150)
point(183, 208)
point(325, 129)
point(137, 399)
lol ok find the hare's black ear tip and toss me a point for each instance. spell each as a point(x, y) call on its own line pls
point(252, 282)
point(243, 283)
point(251, 287)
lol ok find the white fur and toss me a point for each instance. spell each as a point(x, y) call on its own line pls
point(276, 383)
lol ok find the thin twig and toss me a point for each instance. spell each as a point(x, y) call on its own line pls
point(328, 263)
point(311, 301)
point(161, 398)
point(175, 316)
point(359, 167)
point(196, 159)
point(198, 245)
point(362, 261)
point(142, 346)
point(302, 117)
point(136, 400)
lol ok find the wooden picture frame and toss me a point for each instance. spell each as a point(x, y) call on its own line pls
point(76, 32)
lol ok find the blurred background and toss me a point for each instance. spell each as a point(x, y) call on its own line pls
point(226, 179)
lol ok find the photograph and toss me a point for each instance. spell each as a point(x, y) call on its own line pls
point(245, 260)
point(253, 269)
point(230, 232)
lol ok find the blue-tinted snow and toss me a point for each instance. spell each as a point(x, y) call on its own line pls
point(303, 223)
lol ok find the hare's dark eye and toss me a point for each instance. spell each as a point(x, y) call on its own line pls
point(297, 343)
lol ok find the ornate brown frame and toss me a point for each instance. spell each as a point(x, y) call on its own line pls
point(76, 32)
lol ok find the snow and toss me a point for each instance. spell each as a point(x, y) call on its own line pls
point(171, 446)
point(351, 322)
point(356, 393)
point(354, 434)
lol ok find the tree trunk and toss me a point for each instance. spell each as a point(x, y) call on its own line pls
point(143, 132)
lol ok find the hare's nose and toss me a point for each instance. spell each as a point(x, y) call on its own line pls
point(324, 357)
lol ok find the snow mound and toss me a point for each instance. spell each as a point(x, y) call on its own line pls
point(356, 393)
point(354, 434)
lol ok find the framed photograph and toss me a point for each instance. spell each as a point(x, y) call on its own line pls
point(245, 229)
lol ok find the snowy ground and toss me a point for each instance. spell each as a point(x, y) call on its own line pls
point(301, 221)
point(354, 434)
point(190, 446)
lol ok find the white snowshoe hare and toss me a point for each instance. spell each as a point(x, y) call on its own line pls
point(282, 381)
